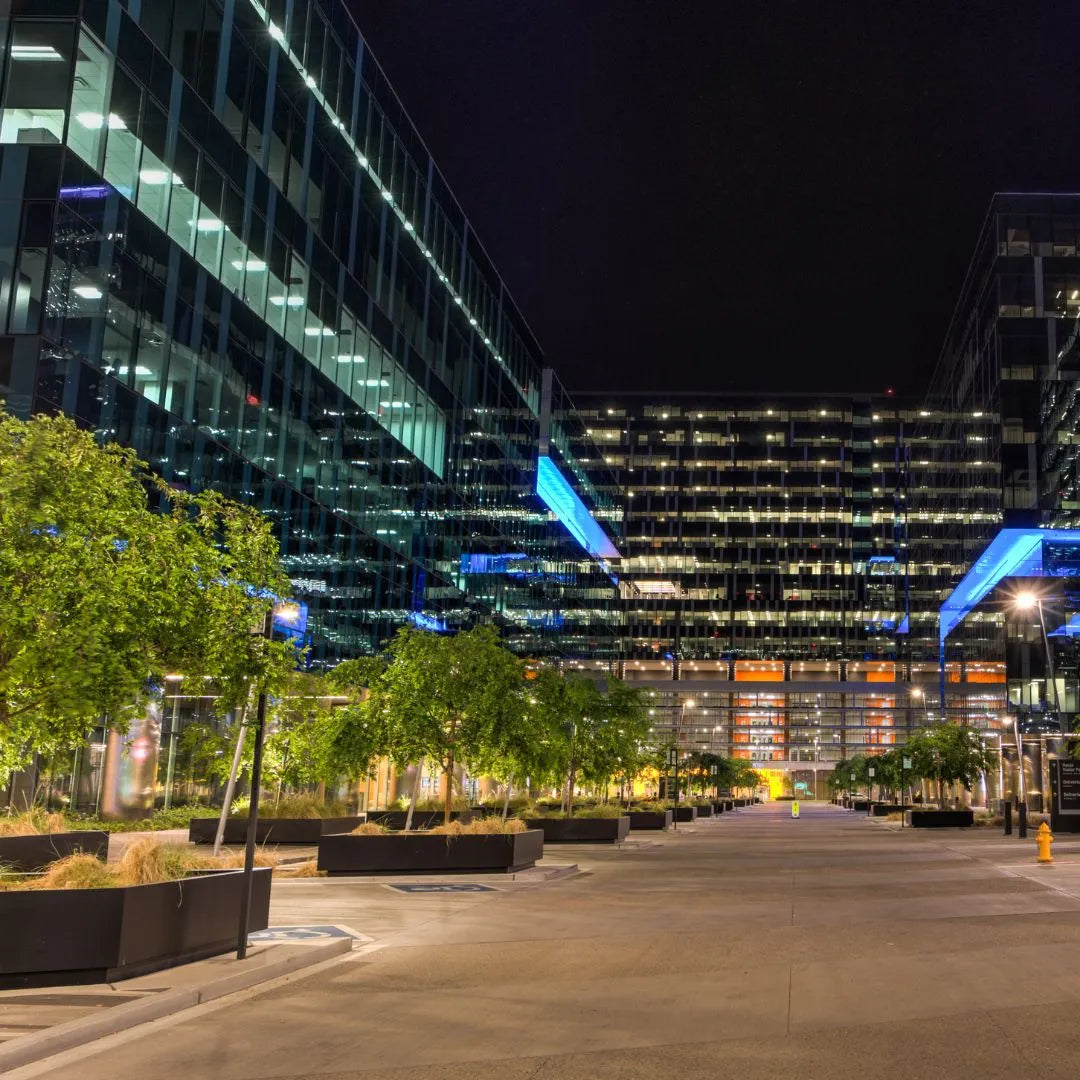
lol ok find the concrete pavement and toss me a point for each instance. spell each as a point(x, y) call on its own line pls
point(749, 947)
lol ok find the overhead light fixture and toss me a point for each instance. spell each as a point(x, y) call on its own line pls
point(88, 292)
point(207, 224)
point(34, 52)
point(346, 358)
point(376, 382)
point(310, 81)
point(287, 301)
point(254, 265)
point(276, 32)
point(96, 121)
point(158, 176)
point(318, 331)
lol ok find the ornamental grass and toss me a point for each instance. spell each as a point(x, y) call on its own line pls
point(33, 822)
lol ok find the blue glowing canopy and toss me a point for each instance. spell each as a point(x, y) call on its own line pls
point(1012, 553)
point(563, 501)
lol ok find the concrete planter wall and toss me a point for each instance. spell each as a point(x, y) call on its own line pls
point(68, 936)
point(271, 830)
point(650, 819)
point(30, 853)
point(423, 853)
point(581, 830)
point(941, 819)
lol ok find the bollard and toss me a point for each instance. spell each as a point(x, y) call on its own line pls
point(1022, 830)
point(1043, 839)
point(1008, 818)
point(795, 808)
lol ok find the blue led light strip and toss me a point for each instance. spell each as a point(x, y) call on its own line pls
point(563, 501)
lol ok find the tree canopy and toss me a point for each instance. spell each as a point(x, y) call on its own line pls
point(950, 754)
point(111, 579)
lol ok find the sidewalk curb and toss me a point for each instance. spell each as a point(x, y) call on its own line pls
point(28, 1049)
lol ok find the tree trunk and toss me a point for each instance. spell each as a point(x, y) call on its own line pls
point(570, 790)
point(415, 793)
point(230, 787)
point(449, 803)
point(941, 794)
point(506, 799)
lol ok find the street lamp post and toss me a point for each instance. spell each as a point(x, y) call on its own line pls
point(1026, 601)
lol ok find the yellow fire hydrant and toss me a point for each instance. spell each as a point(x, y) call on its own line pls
point(1044, 839)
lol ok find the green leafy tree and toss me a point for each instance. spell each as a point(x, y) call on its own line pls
point(445, 698)
point(110, 580)
point(300, 742)
point(888, 773)
point(599, 734)
point(949, 754)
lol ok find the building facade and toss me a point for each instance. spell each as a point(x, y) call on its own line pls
point(225, 244)
point(783, 568)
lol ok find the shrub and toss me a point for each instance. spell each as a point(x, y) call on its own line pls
point(430, 806)
point(370, 828)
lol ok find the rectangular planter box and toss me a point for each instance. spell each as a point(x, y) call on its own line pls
point(581, 830)
point(685, 813)
point(718, 807)
point(704, 811)
point(651, 819)
point(29, 853)
point(862, 805)
point(422, 819)
point(271, 830)
point(68, 936)
point(941, 819)
point(423, 853)
point(885, 809)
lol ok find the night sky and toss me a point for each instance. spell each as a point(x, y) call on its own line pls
point(736, 195)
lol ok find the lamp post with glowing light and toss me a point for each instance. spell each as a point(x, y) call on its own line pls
point(1026, 601)
point(289, 614)
point(919, 694)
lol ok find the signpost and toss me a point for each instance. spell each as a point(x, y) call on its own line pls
point(905, 764)
point(1064, 795)
point(673, 762)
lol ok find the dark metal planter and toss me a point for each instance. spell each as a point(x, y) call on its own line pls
point(885, 809)
point(271, 830)
point(942, 819)
point(413, 853)
point(67, 936)
point(718, 807)
point(704, 811)
point(859, 805)
point(581, 830)
point(651, 819)
point(29, 853)
point(422, 819)
point(686, 813)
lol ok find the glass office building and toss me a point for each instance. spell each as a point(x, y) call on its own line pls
point(783, 569)
point(223, 243)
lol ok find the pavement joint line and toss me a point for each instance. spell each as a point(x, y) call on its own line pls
point(74, 1034)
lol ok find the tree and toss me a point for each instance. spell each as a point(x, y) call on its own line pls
point(111, 579)
point(300, 735)
point(888, 773)
point(598, 734)
point(444, 698)
point(949, 754)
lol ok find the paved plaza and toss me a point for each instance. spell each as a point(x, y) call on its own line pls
point(751, 947)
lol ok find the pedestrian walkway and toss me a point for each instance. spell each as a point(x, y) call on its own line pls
point(751, 947)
